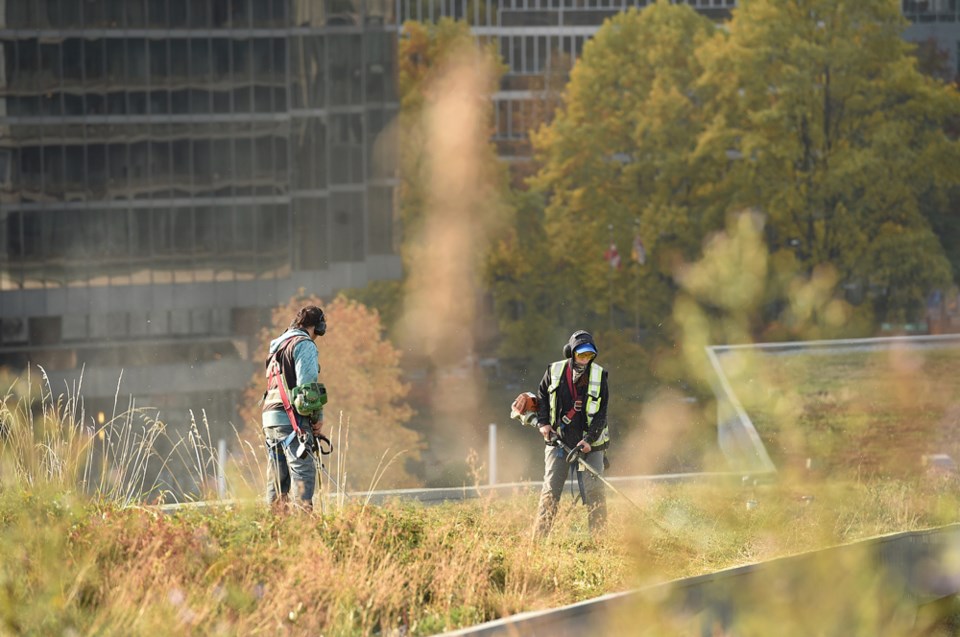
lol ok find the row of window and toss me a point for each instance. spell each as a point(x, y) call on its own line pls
point(96, 171)
point(931, 10)
point(543, 12)
point(531, 12)
point(85, 162)
point(540, 54)
point(56, 248)
point(71, 237)
point(192, 14)
point(139, 75)
point(111, 326)
point(196, 101)
point(144, 324)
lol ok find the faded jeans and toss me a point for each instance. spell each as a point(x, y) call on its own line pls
point(556, 471)
point(284, 469)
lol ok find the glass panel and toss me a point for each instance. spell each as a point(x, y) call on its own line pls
point(74, 176)
point(179, 70)
point(177, 13)
point(200, 68)
point(243, 158)
point(159, 63)
point(221, 163)
point(279, 13)
point(261, 13)
point(346, 148)
point(219, 12)
point(205, 233)
point(157, 13)
point(182, 230)
point(220, 58)
point(377, 65)
point(310, 167)
point(94, 13)
point(141, 246)
point(52, 170)
point(347, 229)
point(114, 11)
point(72, 61)
point(279, 57)
point(137, 62)
point(96, 168)
point(240, 13)
point(307, 72)
point(117, 163)
point(135, 13)
point(345, 69)
point(27, 64)
point(116, 241)
point(263, 158)
point(380, 213)
point(310, 229)
point(159, 167)
point(115, 61)
point(280, 157)
point(244, 228)
point(342, 12)
point(180, 102)
point(381, 145)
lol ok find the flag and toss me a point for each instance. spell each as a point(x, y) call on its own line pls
point(639, 254)
point(612, 256)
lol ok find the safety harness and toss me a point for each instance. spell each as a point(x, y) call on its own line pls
point(277, 382)
point(592, 399)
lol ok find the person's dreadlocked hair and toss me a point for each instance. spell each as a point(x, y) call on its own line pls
point(308, 316)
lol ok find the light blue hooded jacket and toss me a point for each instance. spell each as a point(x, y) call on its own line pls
point(307, 367)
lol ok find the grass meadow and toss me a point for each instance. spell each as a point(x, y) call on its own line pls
point(84, 553)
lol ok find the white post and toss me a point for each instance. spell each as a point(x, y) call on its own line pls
point(493, 454)
point(221, 468)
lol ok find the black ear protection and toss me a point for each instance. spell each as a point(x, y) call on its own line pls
point(577, 338)
point(321, 327)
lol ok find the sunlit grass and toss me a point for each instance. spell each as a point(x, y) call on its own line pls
point(85, 552)
point(49, 442)
point(99, 568)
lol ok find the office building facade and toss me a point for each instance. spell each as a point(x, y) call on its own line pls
point(170, 170)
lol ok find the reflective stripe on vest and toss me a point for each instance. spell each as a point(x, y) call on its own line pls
point(593, 396)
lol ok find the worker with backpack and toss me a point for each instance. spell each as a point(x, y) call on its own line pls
point(293, 410)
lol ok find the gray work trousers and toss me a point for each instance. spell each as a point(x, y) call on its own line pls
point(285, 469)
point(556, 471)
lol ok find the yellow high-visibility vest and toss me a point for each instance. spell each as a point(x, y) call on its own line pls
point(593, 397)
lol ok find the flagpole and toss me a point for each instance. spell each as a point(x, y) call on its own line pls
point(610, 280)
point(636, 282)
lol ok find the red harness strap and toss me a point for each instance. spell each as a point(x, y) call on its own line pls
point(278, 380)
point(567, 418)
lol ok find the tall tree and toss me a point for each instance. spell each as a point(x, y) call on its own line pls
point(621, 149)
point(837, 138)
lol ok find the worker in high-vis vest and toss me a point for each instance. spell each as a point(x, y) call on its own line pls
point(289, 424)
point(572, 406)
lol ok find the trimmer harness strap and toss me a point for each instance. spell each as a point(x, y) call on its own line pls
point(276, 379)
